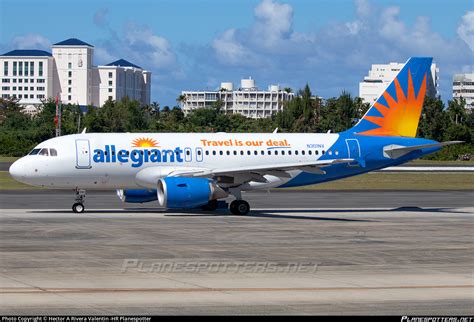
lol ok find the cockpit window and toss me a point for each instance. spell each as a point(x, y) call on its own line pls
point(34, 152)
point(53, 152)
point(43, 152)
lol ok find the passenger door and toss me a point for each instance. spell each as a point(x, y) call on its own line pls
point(83, 155)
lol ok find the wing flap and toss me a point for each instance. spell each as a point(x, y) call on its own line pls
point(275, 169)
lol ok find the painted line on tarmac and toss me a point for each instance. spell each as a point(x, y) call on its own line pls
point(28, 290)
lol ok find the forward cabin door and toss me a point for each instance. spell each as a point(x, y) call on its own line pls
point(83, 155)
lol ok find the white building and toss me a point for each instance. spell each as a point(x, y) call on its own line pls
point(247, 100)
point(69, 72)
point(73, 59)
point(463, 86)
point(28, 75)
point(119, 79)
point(380, 76)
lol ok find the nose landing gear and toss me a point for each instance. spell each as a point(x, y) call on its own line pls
point(78, 206)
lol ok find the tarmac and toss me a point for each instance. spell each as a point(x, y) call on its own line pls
point(402, 253)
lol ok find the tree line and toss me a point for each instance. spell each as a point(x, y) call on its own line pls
point(306, 113)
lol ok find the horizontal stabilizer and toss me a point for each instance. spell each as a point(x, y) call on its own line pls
point(394, 151)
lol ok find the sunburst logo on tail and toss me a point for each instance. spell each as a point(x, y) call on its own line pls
point(145, 143)
point(400, 117)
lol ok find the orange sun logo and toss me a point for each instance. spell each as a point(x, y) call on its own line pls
point(144, 143)
point(400, 117)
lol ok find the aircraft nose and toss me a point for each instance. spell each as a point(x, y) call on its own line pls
point(17, 170)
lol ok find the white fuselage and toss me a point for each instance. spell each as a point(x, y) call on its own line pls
point(136, 160)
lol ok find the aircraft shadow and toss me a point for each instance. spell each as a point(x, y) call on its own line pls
point(266, 213)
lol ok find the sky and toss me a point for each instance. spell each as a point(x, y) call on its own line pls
point(196, 45)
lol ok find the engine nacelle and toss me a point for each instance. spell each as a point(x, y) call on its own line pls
point(137, 195)
point(182, 192)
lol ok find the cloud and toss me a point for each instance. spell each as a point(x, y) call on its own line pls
point(146, 46)
point(466, 29)
point(100, 18)
point(31, 41)
point(273, 23)
point(230, 51)
point(338, 55)
point(136, 43)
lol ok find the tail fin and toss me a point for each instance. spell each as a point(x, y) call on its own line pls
point(397, 111)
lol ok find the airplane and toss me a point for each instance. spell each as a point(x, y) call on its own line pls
point(195, 170)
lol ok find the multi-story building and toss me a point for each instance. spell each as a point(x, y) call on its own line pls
point(35, 75)
point(73, 59)
point(119, 79)
point(247, 100)
point(463, 87)
point(28, 75)
point(380, 76)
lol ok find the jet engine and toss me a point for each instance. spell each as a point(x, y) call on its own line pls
point(137, 195)
point(182, 192)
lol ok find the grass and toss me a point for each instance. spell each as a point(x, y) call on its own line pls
point(8, 159)
point(441, 163)
point(369, 181)
point(8, 183)
point(400, 181)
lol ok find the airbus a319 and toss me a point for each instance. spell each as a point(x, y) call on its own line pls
point(192, 170)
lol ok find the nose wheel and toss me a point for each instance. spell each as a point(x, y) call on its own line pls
point(78, 206)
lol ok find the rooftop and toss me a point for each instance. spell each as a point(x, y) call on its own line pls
point(123, 63)
point(28, 52)
point(72, 42)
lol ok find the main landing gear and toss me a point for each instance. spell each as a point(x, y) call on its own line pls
point(78, 206)
point(238, 207)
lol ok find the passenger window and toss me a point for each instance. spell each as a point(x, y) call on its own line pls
point(276, 152)
point(289, 152)
point(235, 152)
point(255, 152)
point(316, 152)
point(296, 152)
point(221, 153)
point(310, 152)
point(241, 152)
point(248, 152)
point(228, 152)
point(207, 152)
point(336, 152)
point(283, 152)
point(44, 152)
point(34, 152)
point(323, 152)
point(269, 152)
point(262, 152)
point(53, 152)
point(213, 152)
point(302, 152)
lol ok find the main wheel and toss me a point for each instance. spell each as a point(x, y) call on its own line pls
point(239, 207)
point(211, 205)
point(78, 208)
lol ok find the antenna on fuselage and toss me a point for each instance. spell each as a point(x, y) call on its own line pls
point(275, 130)
point(84, 131)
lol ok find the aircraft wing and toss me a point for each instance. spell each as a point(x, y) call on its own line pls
point(273, 169)
point(396, 151)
